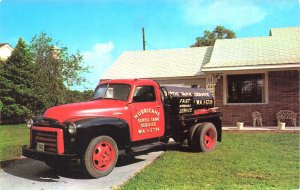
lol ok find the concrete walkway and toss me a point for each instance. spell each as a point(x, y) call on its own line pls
point(36, 175)
point(262, 129)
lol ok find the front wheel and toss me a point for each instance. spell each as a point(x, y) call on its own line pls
point(100, 156)
point(204, 138)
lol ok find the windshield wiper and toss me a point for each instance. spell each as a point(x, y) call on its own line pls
point(114, 99)
point(99, 98)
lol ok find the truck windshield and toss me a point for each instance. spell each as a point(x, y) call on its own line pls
point(112, 91)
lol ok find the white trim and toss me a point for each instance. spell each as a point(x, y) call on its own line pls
point(245, 104)
point(178, 78)
point(202, 76)
point(251, 67)
point(266, 89)
point(224, 89)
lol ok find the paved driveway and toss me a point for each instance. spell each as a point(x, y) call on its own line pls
point(31, 174)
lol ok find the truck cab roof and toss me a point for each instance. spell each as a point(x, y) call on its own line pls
point(130, 81)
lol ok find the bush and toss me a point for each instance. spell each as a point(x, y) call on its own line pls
point(18, 112)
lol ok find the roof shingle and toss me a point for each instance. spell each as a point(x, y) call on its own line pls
point(159, 63)
point(283, 47)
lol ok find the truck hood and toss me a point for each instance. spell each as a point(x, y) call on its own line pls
point(94, 108)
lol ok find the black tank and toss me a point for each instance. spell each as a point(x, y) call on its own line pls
point(186, 100)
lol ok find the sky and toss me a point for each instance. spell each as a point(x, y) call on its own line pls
point(103, 29)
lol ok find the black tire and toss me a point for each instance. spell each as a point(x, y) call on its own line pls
point(100, 156)
point(191, 135)
point(204, 137)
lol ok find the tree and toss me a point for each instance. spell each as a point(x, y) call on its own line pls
point(1, 73)
point(17, 86)
point(209, 38)
point(77, 96)
point(35, 77)
point(1, 107)
point(55, 69)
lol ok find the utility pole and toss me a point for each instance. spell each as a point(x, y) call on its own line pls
point(144, 40)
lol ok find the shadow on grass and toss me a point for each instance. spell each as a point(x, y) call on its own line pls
point(173, 146)
point(130, 158)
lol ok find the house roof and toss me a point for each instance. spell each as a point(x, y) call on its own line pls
point(285, 32)
point(159, 63)
point(5, 51)
point(280, 49)
point(2, 44)
point(5, 44)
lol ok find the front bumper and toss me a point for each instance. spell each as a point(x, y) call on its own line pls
point(46, 156)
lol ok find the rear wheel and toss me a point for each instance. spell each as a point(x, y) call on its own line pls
point(204, 137)
point(100, 156)
point(191, 135)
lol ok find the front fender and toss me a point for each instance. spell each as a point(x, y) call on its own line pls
point(89, 128)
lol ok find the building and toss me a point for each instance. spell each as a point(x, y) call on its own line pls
point(177, 67)
point(245, 74)
point(5, 51)
point(256, 74)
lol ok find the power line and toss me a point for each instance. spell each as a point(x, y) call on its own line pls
point(145, 42)
point(151, 46)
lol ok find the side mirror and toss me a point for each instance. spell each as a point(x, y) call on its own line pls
point(135, 99)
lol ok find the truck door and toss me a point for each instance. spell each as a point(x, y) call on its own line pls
point(147, 114)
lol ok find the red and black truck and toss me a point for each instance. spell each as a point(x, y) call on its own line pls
point(122, 115)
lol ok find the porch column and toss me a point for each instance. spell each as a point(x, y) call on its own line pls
point(211, 81)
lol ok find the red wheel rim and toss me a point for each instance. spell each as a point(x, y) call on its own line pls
point(209, 139)
point(104, 155)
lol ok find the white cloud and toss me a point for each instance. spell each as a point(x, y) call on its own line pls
point(234, 14)
point(99, 58)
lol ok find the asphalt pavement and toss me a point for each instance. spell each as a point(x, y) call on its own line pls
point(36, 175)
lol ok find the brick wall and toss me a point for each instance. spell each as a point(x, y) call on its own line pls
point(283, 94)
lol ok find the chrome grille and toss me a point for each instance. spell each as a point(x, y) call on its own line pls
point(48, 138)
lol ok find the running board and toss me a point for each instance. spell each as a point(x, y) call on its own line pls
point(148, 146)
point(144, 148)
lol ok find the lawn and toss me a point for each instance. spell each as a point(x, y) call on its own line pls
point(12, 137)
point(241, 161)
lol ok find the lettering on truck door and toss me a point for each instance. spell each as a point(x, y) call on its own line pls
point(147, 114)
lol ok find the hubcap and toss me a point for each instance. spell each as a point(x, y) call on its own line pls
point(209, 138)
point(103, 156)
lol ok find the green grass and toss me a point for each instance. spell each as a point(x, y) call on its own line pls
point(241, 161)
point(12, 137)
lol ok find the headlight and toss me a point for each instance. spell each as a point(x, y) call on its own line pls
point(29, 123)
point(72, 128)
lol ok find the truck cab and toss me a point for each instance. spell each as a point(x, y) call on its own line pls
point(122, 114)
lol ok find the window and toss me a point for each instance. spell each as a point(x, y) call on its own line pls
point(112, 91)
point(144, 94)
point(246, 88)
